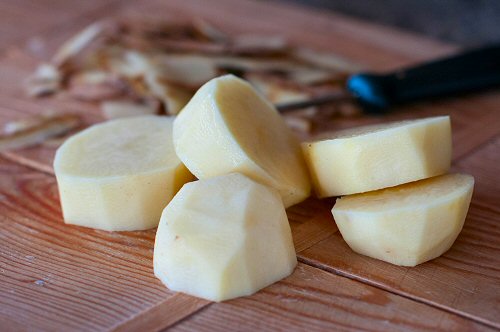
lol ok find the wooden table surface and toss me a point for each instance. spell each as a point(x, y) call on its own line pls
point(61, 278)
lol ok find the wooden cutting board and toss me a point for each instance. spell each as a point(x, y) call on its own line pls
point(59, 277)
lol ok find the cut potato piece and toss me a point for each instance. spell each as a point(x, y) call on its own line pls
point(223, 237)
point(228, 127)
point(119, 175)
point(374, 157)
point(409, 224)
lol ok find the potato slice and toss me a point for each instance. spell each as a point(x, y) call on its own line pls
point(223, 237)
point(119, 175)
point(228, 127)
point(374, 157)
point(408, 224)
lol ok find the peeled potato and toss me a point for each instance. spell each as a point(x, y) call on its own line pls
point(223, 237)
point(119, 175)
point(408, 224)
point(375, 157)
point(228, 127)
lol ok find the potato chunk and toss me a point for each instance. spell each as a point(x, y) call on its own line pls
point(119, 175)
point(374, 157)
point(228, 127)
point(408, 224)
point(223, 237)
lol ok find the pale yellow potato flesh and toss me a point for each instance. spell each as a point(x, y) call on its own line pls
point(408, 224)
point(374, 157)
point(228, 127)
point(119, 175)
point(222, 238)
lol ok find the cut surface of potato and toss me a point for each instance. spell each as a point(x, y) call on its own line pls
point(119, 175)
point(223, 237)
point(374, 157)
point(228, 127)
point(408, 224)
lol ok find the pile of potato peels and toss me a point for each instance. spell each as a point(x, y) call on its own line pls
point(137, 67)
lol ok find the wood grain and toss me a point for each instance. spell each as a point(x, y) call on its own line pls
point(484, 165)
point(310, 223)
point(60, 277)
point(178, 306)
point(313, 300)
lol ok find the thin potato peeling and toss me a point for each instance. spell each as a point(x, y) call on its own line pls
point(130, 59)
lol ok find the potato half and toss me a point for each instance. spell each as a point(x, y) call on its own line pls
point(228, 127)
point(374, 157)
point(408, 224)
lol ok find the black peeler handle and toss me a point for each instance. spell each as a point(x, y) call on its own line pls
point(465, 72)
